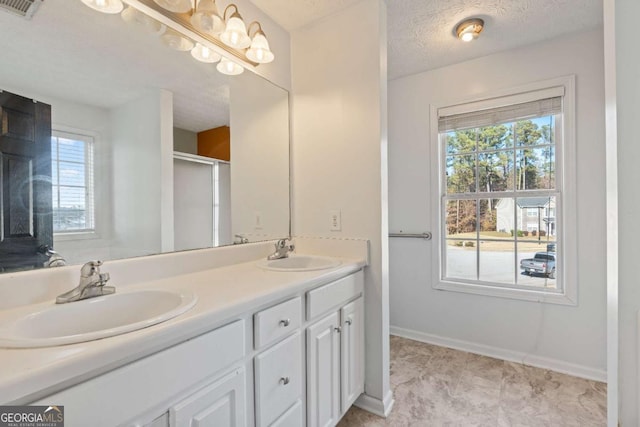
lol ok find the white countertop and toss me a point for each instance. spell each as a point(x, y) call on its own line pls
point(224, 294)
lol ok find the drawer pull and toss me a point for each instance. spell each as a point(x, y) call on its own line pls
point(348, 322)
point(338, 329)
point(285, 322)
point(284, 380)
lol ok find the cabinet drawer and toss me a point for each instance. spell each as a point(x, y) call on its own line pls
point(291, 418)
point(278, 382)
point(324, 298)
point(276, 322)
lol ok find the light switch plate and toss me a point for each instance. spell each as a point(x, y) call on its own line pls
point(335, 221)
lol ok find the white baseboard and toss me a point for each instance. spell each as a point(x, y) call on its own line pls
point(504, 354)
point(374, 405)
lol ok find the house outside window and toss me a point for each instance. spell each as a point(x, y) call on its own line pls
point(503, 183)
point(72, 183)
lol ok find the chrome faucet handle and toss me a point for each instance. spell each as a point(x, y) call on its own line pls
point(90, 268)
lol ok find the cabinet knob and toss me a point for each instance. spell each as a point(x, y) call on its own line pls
point(285, 322)
point(348, 322)
point(338, 329)
point(284, 380)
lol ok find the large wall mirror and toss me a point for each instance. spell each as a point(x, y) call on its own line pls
point(151, 151)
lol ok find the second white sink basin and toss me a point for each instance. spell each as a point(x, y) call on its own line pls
point(300, 263)
point(91, 319)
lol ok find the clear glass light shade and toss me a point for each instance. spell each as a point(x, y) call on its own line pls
point(173, 39)
point(229, 68)
point(204, 54)
point(134, 17)
point(259, 51)
point(177, 6)
point(207, 19)
point(235, 35)
point(105, 6)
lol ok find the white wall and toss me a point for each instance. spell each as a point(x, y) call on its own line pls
point(339, 155)
point(628, 109)
point(142, 134)
point(259, 126)
point(563, 337)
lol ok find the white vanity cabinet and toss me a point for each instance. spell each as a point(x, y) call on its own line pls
point(335, 350)
point(201, 375)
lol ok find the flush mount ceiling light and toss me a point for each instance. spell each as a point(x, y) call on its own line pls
point(105, 6)
point(469, 29)
point(196, 26)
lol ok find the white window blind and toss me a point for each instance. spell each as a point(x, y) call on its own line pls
point(499, 115)
point(72, 182)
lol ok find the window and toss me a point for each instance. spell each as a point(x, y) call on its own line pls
point(500, 174)
point(72, 183)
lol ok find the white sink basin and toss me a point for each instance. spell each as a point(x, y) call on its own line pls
point(299, 263)
point(91, 319)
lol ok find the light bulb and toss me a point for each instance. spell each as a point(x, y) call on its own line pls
point(204, 54)
point(259, 51)
point(467, 37)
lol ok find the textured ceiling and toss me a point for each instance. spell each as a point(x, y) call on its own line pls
point(71, 52)
point(420, 32)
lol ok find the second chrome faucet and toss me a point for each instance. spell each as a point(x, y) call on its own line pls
point(282, 249)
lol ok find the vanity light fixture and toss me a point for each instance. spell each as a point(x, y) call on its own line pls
point(196, 26)
point(259, 51)
point(177, 6)
point(206, 18)
point(173, 39)
point(235, 34)
point(105, 6)
point(469, 29)
point(134, 17)
point(228, 67)
point(204, 54)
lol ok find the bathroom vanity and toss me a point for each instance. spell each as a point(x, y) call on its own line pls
point(262, 346)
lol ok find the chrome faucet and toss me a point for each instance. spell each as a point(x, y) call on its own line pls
point(282, 250)
point(92, 284)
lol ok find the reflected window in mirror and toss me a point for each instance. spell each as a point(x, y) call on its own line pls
point(72, 158)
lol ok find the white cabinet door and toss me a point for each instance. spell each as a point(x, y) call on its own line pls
point(323, 372)
point(221, 404)
point(352, 353)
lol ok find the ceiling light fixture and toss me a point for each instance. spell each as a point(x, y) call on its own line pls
point(197, 26)
point(469, 29)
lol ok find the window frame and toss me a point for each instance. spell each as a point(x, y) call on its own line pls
point(90, 138)
point(565, 187)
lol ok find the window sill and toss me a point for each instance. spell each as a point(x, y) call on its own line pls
point(71, 236)
point(509, 293)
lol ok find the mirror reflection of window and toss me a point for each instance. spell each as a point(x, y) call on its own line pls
point(72, 165)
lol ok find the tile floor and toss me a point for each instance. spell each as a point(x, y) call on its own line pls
point(437, 386)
